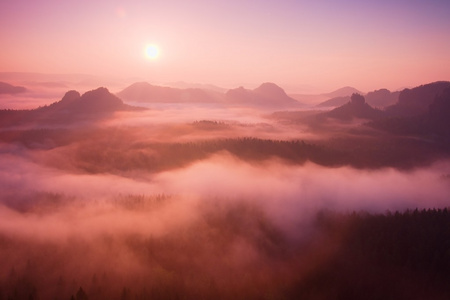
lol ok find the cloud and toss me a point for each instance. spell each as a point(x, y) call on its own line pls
point(190, 228)
point(285, 192)
point(200, 225)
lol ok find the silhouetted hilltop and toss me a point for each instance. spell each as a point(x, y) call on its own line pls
point(266, 95)
point(382, 98)
point(146, 92)
point(72, 107)
point(239, 95)
point(95, 101)
point(356, 108)
point(70, 97)
point(340, 97)
point(6, 88)
point(343, 92)
point(272, 91)
point(416, 101)
point(438, 118)
point(434, 123)
point(379, 98)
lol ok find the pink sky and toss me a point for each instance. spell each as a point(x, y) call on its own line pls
point(294, 43)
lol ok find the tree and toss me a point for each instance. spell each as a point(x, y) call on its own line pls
point(357, 99)
point(81, 294)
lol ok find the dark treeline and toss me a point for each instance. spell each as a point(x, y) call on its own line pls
point(400, 153)
point(112, 150)
point(401, 255)
point(384, 256)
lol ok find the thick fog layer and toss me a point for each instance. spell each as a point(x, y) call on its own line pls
point(202, 200)
point(288, 193)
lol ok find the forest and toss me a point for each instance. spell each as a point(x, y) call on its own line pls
point(236, 252)
point(106, 199)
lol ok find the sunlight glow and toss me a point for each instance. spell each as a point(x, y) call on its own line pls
point(152, 52)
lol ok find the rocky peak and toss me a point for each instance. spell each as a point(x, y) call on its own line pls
point(357, 99)
point(271, 89)
point(70, 96)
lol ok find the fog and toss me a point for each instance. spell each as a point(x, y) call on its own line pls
point(180, 200)
point(213, 206)
point(86, 205)
point(273, 184)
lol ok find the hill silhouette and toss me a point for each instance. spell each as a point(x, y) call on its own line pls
point(343, 92)
point(382, 98)
point(416, 101)
point(188, 85)
point(341, 95)
point(266, 95)
point(356, 108)
point(91, 105)
point(378, 98)
point(437, 120)
point(434, 123)
point(6, 88)
point(96, 101)
point(146, 92)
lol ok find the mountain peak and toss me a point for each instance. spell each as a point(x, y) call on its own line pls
point(269, 85)
point(146, 92)
point(267, 95)
point(356, 108)
point(343, 92)
point(98, 100)
point(357, 99)
point(70, 96)
point(416, 101)
point(269, 88)
point(98, 92)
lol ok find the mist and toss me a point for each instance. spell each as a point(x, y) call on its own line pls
point(272, 184)
point(181, 201)
point(247, 212)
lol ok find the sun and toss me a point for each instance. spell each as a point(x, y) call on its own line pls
point(152, 51)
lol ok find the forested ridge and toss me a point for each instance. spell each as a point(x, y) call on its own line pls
point(116, 150)
point(359, 255)
point(102, 200)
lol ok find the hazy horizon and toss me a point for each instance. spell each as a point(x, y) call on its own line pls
point(295, 44)
point(255, 176)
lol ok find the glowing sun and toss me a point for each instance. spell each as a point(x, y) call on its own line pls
point(152, 52)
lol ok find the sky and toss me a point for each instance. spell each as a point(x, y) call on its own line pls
point(300, 45)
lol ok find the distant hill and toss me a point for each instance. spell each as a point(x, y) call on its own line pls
point(187, 85)
point(6, 88)
point(382, 98)
point(437, 120)
point(343, 92)
point(416, 101)
point(434, 123)
point(336, 98)
point(267, 95)
point(96, 101)
point(379, 98)
point(91, 105)
point(332, 99)
point(356, 108)
point(146, 92)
